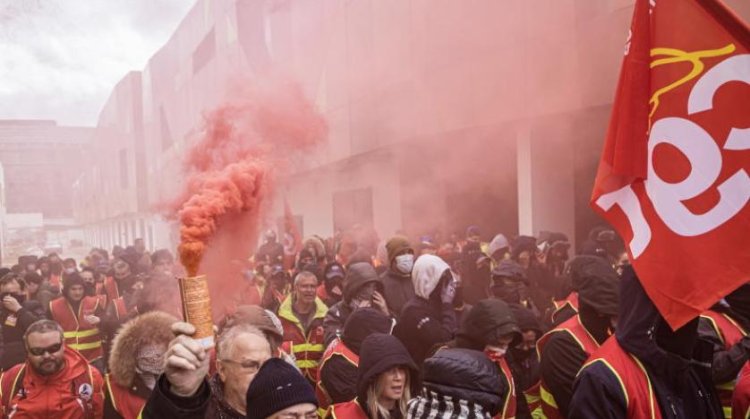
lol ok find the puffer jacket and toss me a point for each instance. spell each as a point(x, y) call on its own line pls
point(358, 275)
point(425, 321)
point(458, 383)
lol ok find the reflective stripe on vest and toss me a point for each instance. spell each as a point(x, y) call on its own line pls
point(730, 333)
point(337, 347)
point(574, 328)
point(509, 406)
point(570, 301)
point(78, 333)
point(128, 405)
point(633, 379)
point(348, 410)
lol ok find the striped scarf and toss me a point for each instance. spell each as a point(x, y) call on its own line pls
point(431, 405)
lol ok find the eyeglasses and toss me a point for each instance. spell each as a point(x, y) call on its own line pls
point(249, 366)
point(308, 415)
point(49, 350)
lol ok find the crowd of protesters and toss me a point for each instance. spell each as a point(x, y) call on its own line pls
point(355, 327)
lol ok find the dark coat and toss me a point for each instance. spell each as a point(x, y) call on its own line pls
point(677, 363)
point(13, 349)
point(454, 376)
point(424, 324)
point(398, 290)
point(358, 275)
point(207, 403)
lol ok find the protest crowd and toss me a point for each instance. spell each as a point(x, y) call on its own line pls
point(354, 326)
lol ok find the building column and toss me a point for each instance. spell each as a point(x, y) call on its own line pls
point(546, 184)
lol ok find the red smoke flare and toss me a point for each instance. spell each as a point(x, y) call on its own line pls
point(231, 169)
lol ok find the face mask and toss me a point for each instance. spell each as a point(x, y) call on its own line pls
point(70, 270)
point(405, 263)
point(494, 353)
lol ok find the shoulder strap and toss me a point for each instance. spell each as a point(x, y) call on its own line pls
point(84, 387)
point(11, 383)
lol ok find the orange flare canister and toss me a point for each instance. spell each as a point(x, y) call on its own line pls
point(196, 308)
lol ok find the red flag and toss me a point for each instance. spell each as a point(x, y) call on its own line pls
point(673, 177)
point(292, 237)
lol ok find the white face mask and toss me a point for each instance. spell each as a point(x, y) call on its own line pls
point(405, 263)
point(496, 351)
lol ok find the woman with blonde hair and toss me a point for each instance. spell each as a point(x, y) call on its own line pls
point(386, 381)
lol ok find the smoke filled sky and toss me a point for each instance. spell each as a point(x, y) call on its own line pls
point(61, 58)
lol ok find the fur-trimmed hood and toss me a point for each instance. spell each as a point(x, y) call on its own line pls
point(152, 327)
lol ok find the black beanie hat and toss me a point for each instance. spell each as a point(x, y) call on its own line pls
point(277, 386)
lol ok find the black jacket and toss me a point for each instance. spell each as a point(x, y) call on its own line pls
point(424, 324)
point(457, 376)
point(677, 363)
point(207, 403)
point(358, 275)
point(727, 363)
point(398, 290)
point(339, 376)
point(13, 349)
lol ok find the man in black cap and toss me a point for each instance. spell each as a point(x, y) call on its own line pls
point(332, 289)
point(508, 284)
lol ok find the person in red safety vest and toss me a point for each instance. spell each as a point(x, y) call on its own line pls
point(331, 291)
point(135, 363)
point(386, 381)
point(79, 316)
point(339, 366)
point(490, 327)
point(564, 350)
point(89, 278)
point(725, 325)
point(646, 370)
point(741, 394)
point(301, 316)
point(56, 381)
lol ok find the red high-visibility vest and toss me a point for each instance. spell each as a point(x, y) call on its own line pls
point(730, 333)
point(509, 405)
point(741, 395)
point(632, 376)
point(308, 348)
point(127, 404)
point(570, 301)
point(79, 334)
point(336, 347)
point(588, 345)
point(348, 410)
point(111, 288)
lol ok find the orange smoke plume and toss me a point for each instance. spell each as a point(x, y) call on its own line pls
point(231, 169)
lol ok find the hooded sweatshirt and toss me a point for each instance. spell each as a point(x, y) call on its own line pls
point(425, 321)
point(358, 275)
point(380, 353)
point(678, 364)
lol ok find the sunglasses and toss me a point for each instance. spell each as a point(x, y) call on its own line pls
point(41, 351)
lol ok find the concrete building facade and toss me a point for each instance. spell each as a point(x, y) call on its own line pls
point(441, 113)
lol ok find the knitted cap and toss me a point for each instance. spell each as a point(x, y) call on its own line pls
point(396, 245)
point(277, 386)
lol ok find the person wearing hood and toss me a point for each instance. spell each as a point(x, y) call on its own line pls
point(725, 325)
point(135, 363)
point(271, 252)
point(277, 288)
point(80, 317)
point(428, 318)
point(362, 288)
point(647, 370)
point(498, 249)
point(566, 306)
point(397, 279)
point(338, 368)
point(458, 383)
point(386, 380)
point(16, 314)
point(509, 284)
point(564, 349)
point(523, 357)
point(54, 382)
point(491, 327)
point(332, 288)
